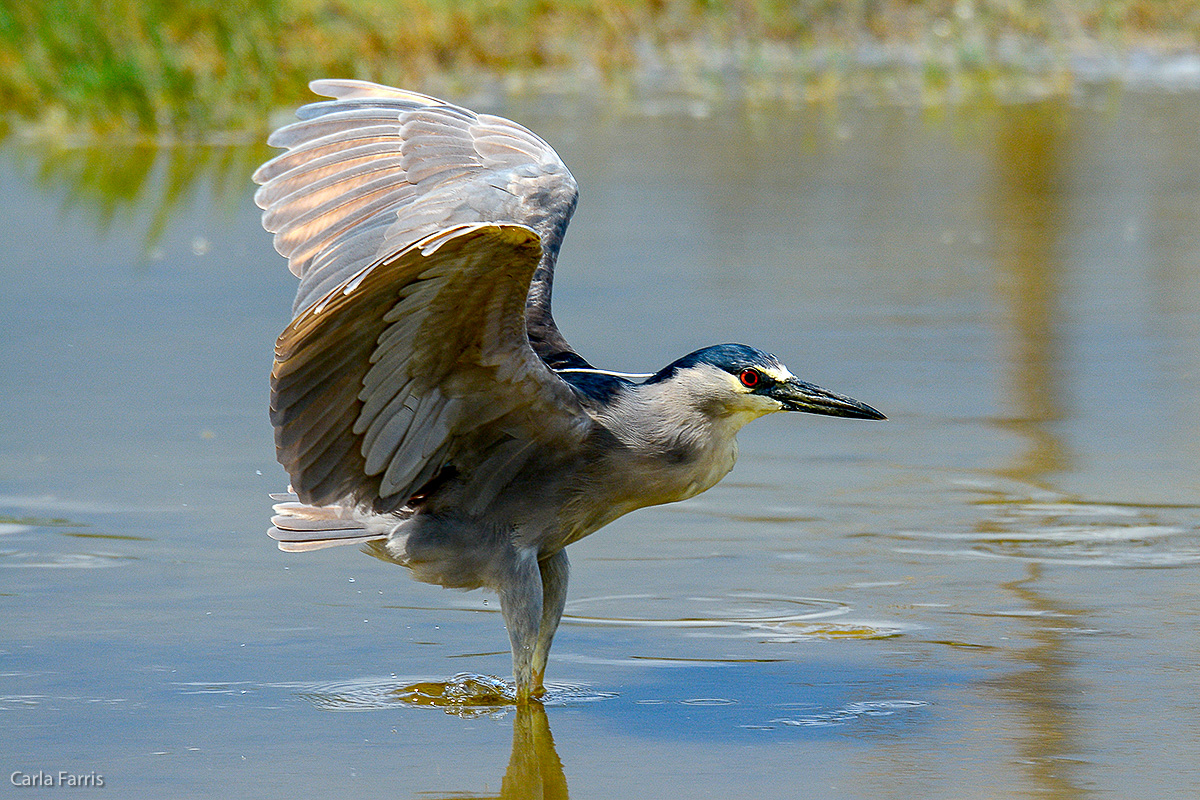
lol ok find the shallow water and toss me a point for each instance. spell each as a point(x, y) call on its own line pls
point(992, 594)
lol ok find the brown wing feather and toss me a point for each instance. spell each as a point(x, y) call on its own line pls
point(420, 362)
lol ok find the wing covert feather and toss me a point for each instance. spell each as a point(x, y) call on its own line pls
point(420, 362)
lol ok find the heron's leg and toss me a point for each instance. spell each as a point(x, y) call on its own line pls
point(555, 570)
point(520, 591)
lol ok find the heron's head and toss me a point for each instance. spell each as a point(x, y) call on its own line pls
point(743, 382)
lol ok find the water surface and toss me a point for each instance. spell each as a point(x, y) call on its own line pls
point(993, 594)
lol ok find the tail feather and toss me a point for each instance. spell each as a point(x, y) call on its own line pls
point(299, 528)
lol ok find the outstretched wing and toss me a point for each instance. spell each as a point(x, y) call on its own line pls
point(417, 365)
point(377, 169)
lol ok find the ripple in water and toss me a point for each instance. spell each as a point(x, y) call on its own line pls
point(851, 712)
point(465, 695)
point(27, 560)
point(699, 612)
point(1072, 533)
point(773, 617)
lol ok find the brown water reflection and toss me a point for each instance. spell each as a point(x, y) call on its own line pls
point(1030, 218)
point(535, 771)
point(1045, 692)
point(1030, 215)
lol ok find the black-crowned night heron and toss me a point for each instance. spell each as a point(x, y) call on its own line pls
point(424, 400)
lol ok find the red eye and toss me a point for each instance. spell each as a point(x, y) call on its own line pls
point(750, 378)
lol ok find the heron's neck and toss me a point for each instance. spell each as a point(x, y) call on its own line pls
point(690, 445)
point(668, 451)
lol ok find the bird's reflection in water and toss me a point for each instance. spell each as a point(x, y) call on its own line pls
point(466, 695)
point(534, 769)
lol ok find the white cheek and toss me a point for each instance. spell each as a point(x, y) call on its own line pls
point(758, 405)
point(771, 405)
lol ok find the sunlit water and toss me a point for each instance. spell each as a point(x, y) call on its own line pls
point(992, 594)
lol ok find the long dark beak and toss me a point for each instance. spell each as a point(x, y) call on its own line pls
point(796, 395)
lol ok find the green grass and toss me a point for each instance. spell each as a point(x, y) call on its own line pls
point(187, 69)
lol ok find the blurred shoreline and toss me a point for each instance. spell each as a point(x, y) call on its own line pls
point(75, 71)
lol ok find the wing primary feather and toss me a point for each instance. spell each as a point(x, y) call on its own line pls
point(384, 435)
point(285, 410)
point(318, 450)
point(320, 156)
point(327, 479)
point(288, 193)
point(313, 437)
point(352, 87)
point(392, 369)
point(416, 228)
point(407, 461)
point(301, 226)
point(321, 129)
